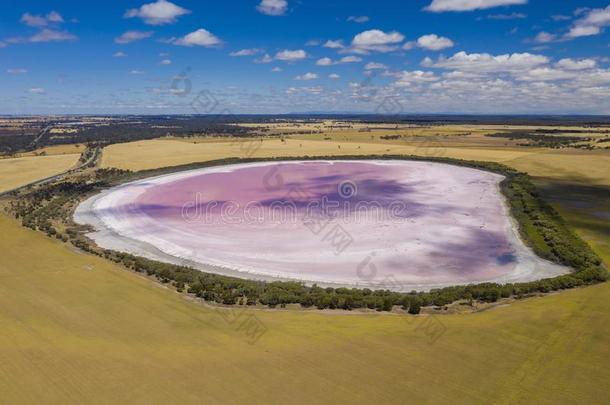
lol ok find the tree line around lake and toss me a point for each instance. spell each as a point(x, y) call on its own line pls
point(48, 208)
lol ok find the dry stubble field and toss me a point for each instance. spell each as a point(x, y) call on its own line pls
point(15, 172)
point(79, 329)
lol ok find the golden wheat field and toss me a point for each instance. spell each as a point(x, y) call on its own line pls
point(15, 172)
point(592, 166)
point(79, 329)
point(162, 153)
point(67, 149)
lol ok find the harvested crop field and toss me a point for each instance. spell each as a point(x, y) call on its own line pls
point(77, 327)
point(15, 172)
point(152, 154)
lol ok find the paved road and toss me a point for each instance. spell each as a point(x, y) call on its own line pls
point(40, 135)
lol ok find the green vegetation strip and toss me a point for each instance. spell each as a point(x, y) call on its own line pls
point(540, 226)
point(542, 139)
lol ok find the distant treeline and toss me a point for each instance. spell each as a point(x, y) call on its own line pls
point(568, 131)
point(542, 139)
point(398, 117)
point(127, 130)
point(149, 129)
point(10, 144)
point(539, 224)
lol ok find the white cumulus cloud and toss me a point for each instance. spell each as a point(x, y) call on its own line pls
point(407, 78)
point(545, 74)
point(291, 55)
point(376, 41)
point(375, 65)
point(41, 20)
point(346, 59)
point(574, 64)
point(544, 37)
point(247, 52)
point(307, 76)
point(433, 42)
point(158, 13)
point(350, 59)
point(592, 23)
point(265, 59)
point(49, 35)
point(200, 37)
point(338, 44)
point(358, 19)
point(486, 63)
point(273, 7)
point(469, 5)
point(132, 36)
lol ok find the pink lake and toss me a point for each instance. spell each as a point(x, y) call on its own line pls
point(399, 225)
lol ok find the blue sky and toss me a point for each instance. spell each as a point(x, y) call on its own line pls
point(280, 56)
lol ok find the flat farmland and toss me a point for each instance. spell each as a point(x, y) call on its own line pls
point(15, 172)
point(152, 154)
point(68, 149)
point(591, 166)
point(77, 328)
